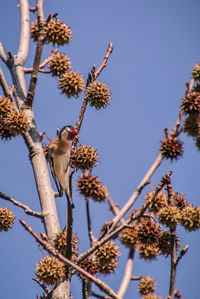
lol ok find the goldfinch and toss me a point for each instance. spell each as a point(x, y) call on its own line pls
point(59, 150)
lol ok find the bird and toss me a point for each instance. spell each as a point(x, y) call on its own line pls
point(59, 150)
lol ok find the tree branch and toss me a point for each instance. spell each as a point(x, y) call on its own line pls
point(38, 54)
point(91, 77)
point(24, 32)
point(4, 84)
point(90, 233)
point(19, 204)
point(47, 245)
point(127, 274)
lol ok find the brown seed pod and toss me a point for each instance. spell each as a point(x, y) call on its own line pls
point(89, 265)
point(191, 103)
point(6, 219)
point(164, 243)
point(106, 257)
point(159, 201)
point(190, 218)
point(84, 157)
point(98, 94)
point(50, 270)
point(148, 252)
point(71, 84)
point(60, 242)
point(55, 32)
point(91, 186)
point(169, 216)
point(171, 148)
point(59, 64)
point(192, 125)
point(129, 236)
point(148, 232)
point(196, 72)
point(146, 285)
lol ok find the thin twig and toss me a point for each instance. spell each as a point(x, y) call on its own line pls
point(69, 229)
point(127, 274)
point(42, 285)
point(4, 84)
point(3, 53)
point(19, 204)
point(136, 277)
point(181, 254)
point(173, 262)
point(89, 223)
point(91, 77)
point(38, 54)
point(42, 65)
point(49, 247)
point(103, 65)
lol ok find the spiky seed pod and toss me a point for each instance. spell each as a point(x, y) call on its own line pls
point(6, 219)
point(84, 157)
point(58, 33)
point(50, 270)
point(192, 125)
point(148, 252)
point(164, 243)
point(6, 107)
point(107, 257)
point(59, 64)
point(171, 148)
point(179, 200)
point(60, 242)
point(71, 84)
point(148, 232)
point(190, 218)
point(146, 285)
point(98, 94)
point(34, 31)
point(105, 230)
point(89, 265)
point(196, 72)
point(129, 236)
point(17, 122)
point(101, 195)
point(169, 216)
point(159, 201)
point(90, 186)
point(191, 103)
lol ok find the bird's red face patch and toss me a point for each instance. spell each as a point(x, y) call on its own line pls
point(72, 134)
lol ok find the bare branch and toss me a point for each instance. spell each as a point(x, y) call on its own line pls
point(91, 77)
point(3, 53)
point(42, 285)
point(136, 277)
point(19, 204)
point(173, 262)
point(47, 245)
point(182, 253)
point(4, 84)
point(127, 274)
point(103, 65)
point(38, 54)
point(90, 233)
point(24, 32)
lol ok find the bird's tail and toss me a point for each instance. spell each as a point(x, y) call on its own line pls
point(68, 190)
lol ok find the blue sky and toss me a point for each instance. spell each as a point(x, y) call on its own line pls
point(156, 45)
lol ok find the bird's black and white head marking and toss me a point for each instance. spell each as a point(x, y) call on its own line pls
point(67, 131)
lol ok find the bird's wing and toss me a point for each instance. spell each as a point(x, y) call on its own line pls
point(52, 168)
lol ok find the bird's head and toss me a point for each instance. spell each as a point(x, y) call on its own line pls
point(67, 133)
